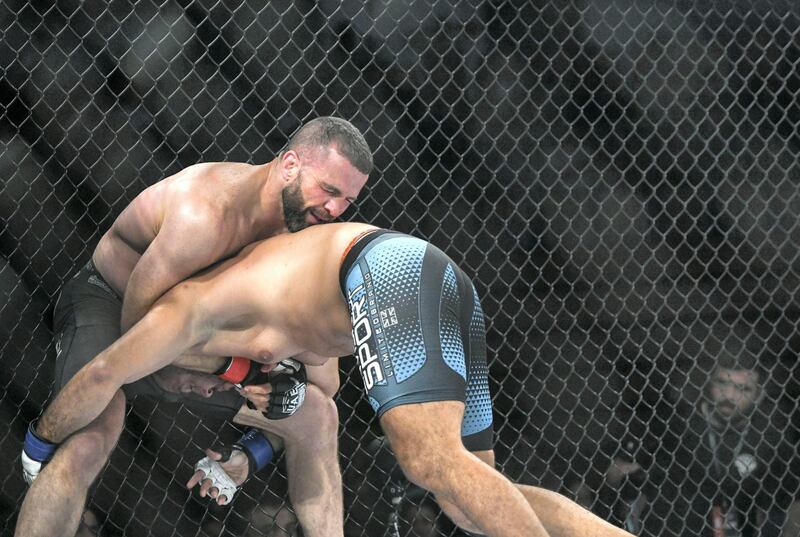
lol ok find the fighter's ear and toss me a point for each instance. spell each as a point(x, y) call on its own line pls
point(290, 165)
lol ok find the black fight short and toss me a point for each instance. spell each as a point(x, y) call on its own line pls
point(86, 321)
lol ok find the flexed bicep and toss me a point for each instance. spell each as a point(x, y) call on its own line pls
point(190, 239)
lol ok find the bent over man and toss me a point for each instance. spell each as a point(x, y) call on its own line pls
point(173, 229)
point(418, 332)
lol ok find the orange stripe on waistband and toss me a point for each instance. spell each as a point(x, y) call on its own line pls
point(354, 241)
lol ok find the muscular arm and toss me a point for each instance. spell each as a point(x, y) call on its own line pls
point(163, 334)
point(190, 239)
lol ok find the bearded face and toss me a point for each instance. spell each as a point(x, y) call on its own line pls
point(294, 211)
point(734, 392)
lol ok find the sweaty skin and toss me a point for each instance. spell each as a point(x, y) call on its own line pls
point(213, 192)
point(281, 298)
point(277, 299)
point(172, 230)
point(208, 212)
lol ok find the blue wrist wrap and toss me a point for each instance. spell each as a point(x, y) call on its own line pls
point(258, 449)
point(38, 449)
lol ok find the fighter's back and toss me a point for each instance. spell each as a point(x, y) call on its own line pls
point(280, 297)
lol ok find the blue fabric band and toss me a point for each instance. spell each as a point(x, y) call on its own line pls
point(258, 449)
point(36, 448)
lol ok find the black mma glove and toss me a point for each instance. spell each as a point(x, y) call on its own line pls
point(289, 382)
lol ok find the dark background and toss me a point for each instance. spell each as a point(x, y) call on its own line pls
point(620, 178)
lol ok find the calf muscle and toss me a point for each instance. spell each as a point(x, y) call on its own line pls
point(426, 439)
point(563, 518)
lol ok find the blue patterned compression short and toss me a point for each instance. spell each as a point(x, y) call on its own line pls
point(418, 329)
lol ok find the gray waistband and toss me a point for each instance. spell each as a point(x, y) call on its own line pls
point(95, 278)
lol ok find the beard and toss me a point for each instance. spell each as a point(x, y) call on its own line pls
point(294, 212)
point(730, 413)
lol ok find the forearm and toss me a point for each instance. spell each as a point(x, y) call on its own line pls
point(134, 307)
point(154, 342)
point(142, 291)
point(84, 398)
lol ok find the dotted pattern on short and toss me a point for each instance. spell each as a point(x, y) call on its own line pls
point(353, 280)
point(449, 329)
point(478, 412)
point(396, 265)
point(373, 403)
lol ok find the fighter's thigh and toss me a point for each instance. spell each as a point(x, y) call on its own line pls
point(83, 329)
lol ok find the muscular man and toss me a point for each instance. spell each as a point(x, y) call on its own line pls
point(173, 229)
point(416, 325)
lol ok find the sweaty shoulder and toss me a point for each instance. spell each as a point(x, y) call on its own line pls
point(197, 205)
point(186, 217)
point(219, 190)
point(213, 183)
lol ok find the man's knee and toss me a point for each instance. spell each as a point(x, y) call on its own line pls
point(426, 440)
point(427, 469)
point(317, 417)
point(456, 515)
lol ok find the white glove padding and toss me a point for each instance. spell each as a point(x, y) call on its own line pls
point(219, 478)
point(30, 468)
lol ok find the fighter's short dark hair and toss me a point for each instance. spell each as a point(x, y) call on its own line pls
point(330, 131)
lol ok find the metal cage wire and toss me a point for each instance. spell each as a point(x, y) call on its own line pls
point(619, 178)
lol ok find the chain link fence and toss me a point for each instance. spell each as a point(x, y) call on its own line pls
point(620, 178)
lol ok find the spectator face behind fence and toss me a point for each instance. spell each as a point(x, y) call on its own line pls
point(734, 392)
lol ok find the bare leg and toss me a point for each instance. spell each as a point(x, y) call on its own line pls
point(564, 518)
point(560, 516)
point(312, 461)
point(54, 503)
point(426, 439)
